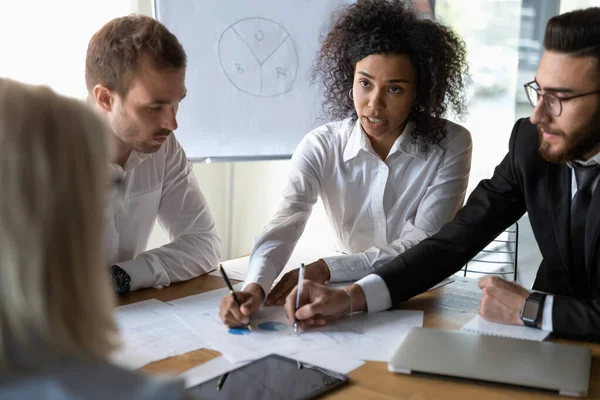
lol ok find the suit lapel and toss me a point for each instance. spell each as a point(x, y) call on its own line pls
point(592, 229)
point(559, 203)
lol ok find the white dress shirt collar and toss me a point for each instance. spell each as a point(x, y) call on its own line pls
point(358, 141)
point(594, 160)
point(135, 159)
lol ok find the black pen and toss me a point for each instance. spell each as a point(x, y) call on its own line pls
point(226, 279)
point(221, 381)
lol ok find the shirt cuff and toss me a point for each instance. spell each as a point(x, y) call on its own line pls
point(547, 313)
point(140, 272)
point(260, 273)
point(376, 292)
point(347, 267)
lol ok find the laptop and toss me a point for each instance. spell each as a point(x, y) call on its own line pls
point(543, 365)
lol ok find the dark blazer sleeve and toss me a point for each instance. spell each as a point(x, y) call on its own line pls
point(493, 206)
point(574, 318)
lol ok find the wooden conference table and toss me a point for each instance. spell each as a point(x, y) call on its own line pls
point(448, 307)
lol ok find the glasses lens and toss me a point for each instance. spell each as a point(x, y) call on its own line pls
point(552, 103)
point(531, 95)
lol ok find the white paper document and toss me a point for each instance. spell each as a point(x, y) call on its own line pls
point(481, 326)
point(210, 369)
point(237, 268)
point(372, 337)
point(271, 332)
point(329, 359)
point(151, 331)
point(362, 336)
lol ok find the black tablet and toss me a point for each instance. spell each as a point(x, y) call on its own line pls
point(271, 377)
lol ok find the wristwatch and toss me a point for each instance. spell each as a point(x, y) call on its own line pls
point(533, 307)
point(121, 279)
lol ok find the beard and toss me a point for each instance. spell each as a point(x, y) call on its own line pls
point(148, 146)
point(131, 134)
point(576, 145)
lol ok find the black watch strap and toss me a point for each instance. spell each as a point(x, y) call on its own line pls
point(535, 299)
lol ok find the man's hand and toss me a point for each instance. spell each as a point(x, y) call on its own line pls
point(502, 300)
point(321, 304)
point(234, 316)
point(317, 272)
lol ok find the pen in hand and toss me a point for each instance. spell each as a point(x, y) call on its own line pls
point(299, 294)
point(226, 279)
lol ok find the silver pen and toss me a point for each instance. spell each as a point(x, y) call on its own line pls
point(299, 294)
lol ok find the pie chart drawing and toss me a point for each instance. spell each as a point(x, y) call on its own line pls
point(259, 57)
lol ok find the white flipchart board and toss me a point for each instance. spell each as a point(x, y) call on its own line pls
point(250, 94)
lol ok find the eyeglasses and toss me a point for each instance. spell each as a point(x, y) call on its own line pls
point(551, 101)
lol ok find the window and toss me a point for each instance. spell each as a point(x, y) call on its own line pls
point(504, 41)
point(44, 42)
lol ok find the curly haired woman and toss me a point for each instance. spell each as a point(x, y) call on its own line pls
point(389, 169)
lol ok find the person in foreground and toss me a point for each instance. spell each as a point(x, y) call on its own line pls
point(389, 170)
point(135, 76)
point(56, 303)
point(551, 171)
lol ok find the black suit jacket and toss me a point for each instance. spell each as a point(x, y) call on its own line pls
point(522, 182)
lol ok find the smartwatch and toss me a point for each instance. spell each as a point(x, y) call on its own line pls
point(121, 279)
point(532, 309)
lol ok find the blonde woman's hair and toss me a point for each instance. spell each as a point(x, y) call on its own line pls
point(55, 294)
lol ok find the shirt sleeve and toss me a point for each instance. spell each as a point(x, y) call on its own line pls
point(443, 198)
point(275, 244)
point(195, 247)
point(547, 313)
point(376, 292)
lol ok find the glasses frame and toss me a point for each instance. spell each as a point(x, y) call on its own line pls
point(545, 96)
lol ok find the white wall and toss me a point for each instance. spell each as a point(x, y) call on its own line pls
point(243, 197)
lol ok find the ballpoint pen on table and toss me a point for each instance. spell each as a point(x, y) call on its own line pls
point(299, 294)
point(226, 279)
point(222, 381)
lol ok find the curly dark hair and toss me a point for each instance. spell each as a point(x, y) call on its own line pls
point(391, 26)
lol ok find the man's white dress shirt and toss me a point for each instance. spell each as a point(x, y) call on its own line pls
point(378, 296)
point(377, 208)
point(160, 186)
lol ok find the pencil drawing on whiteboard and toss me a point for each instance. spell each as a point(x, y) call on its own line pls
point(259, 57)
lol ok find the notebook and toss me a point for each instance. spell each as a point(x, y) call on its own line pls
point(483, 327)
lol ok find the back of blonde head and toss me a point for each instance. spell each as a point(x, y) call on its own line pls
point(55, 295)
